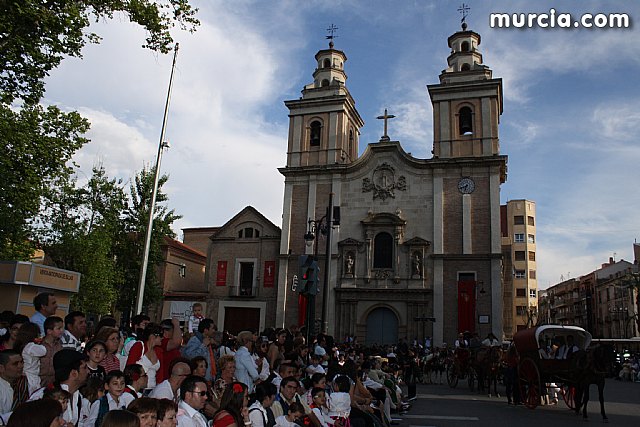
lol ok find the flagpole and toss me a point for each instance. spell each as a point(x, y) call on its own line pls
point(156, 178)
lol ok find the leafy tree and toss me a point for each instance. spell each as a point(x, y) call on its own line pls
point(35, 154)
point(136, 217)
point(80, 228)
point(35, 35)
point(37, 143)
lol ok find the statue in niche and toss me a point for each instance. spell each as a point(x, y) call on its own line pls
point(349, 264)
point(416, 265)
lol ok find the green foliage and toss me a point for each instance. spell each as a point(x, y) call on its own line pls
point(35, 35)
point(35, 154)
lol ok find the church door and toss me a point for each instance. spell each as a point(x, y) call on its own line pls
point(382, 327)
point(238, 319)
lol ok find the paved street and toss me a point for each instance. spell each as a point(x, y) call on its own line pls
point(442, 406)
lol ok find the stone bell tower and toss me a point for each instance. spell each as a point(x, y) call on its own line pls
point(467, 103)
point(324, 125)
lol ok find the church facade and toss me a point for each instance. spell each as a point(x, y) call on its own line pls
point(417, 251)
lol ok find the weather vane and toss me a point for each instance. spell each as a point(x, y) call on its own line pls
point(464, 11)
point(332, 30)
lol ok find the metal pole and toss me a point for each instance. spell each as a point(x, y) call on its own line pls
point(161, 146)
point(327, 268)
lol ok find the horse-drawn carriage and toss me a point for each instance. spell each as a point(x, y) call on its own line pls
point(572, 370)
point(479, 366)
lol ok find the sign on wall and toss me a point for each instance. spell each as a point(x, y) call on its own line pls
point(221, 275)
point(269, 274)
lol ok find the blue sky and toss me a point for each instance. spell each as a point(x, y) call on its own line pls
point(571, 107)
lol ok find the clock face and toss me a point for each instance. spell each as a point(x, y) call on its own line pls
point(466, 185)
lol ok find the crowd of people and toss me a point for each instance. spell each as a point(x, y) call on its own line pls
point(55, 373)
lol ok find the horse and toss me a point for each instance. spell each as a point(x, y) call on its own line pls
point(591, 368)
point(434, 367)
point(487, 364)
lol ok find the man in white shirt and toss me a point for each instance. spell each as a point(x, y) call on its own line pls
point(193, 396)
point(75, 330)
point(11, 366)
point(46, 305)
point(71, 372)
point(246, 370)
point(170, 388)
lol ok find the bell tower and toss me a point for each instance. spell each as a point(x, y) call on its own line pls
point(467, 103)
point(324, 125)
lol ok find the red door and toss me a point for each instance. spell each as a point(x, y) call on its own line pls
point(466, 305)
point(238, 319)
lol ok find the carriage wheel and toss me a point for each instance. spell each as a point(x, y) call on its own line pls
point(569, 395)
point(433, 376)
point(452, 376)
point(471, 379)
point(529, 382)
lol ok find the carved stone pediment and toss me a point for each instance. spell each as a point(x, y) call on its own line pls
point(417, 241)
point(383, 182)
point(350, 242)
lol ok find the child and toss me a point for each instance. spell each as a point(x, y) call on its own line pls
point(114, 398)
point(315, 367)
point(196, 317)
point(296, 411)
point(53, 329)
point(93, 389)
point(320, 408)
point(340, 401)
point(28, 344)
point(97, 351)
point(57, 393)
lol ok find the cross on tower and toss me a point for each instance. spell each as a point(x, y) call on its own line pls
point(332, 30)
point(464, 11)
point(385, 117)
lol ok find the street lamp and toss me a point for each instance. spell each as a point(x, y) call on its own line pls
point(323, 225)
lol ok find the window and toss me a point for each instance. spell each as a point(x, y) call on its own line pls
point(465, 122)
point(324, 83)
point(531, 238)
point(464, 46)
point(519, 256)
point(530, 221)
point(532, 293)
point(465, 67)
point(532, 274)
point(327, 63)
point(315, 130)
point(521, 310)
point(383, 251)
point(246, 278)
point(521, 292)
point(518, 220)
point(532, 256)
point(520, 274)
point(518, 238)
point(248, 233)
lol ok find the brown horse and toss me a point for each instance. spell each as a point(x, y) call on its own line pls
point(487, 363)
point(591, 368)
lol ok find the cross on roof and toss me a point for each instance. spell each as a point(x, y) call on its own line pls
point(386, 118)
point(464, 11)
point(331, 30)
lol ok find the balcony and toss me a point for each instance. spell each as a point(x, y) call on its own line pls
point(243, 292)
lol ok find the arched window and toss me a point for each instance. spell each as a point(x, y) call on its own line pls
point(465, 67)
point(327, 63)
point(383, 251)
point(465, 121)
point(314, 133)
point(464, 46)
point(324, 83)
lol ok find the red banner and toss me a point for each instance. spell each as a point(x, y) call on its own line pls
point(269, 274)
point(221, 276)
point(466, 306)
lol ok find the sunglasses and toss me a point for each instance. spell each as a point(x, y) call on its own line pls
point(200, 393)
